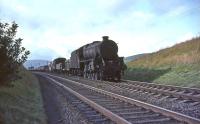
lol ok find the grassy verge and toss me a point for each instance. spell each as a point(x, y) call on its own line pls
point(144, 74)
point(22, 104)
point(182, 75)
point(179, 75)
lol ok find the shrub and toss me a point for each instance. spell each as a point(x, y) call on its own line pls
point(12, 55)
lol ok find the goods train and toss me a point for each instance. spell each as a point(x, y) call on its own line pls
point(98, 60)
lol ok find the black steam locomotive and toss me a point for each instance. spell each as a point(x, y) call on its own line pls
point(98, 60)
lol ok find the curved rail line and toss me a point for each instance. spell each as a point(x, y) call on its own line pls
point(168, 115)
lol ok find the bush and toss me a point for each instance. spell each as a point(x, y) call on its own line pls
point(12, 55)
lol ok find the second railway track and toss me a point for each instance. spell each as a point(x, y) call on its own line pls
point(120, 109)
point(188, 94)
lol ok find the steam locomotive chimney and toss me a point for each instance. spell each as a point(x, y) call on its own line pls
point(105, 38)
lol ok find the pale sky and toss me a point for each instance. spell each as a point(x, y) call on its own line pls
point(54, 28)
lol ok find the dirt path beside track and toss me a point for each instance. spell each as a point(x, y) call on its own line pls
point(58, 109)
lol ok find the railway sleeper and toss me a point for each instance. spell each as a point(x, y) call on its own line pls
point(91, 97)
point(119, 107)
point(113, 103)
point(155, 115)
point(91, 112)
point(84, 108)
point(102, 121)
point(127, 110)
point(185, 101)
point(103, 101)
point(149, 119)
point(94, 116)
point(109, 104)
point(156, 121)
point(136, 112)
point(77, 102)
point(131, 113)
point(195, 103)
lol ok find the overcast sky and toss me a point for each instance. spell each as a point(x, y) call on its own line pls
point(54, 28)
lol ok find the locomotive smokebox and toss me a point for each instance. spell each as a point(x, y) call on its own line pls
point(108, 48)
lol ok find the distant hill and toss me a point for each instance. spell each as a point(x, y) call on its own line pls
point(134, 57)
point(35, 63)
point(187, 52)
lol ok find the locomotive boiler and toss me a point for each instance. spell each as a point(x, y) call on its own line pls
point(98, 60)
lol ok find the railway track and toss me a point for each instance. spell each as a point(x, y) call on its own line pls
point(174, 103)
point(191, 95)
point(119, 109)
point(184, 94)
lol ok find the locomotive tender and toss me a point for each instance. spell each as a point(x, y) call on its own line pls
point(98, 60)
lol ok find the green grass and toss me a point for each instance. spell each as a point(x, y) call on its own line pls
point(22, 104)
point(182, 75)
point(144, 74)
point(178, 65)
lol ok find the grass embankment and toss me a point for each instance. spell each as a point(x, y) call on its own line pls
point(22, 103)
point(177, 65)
